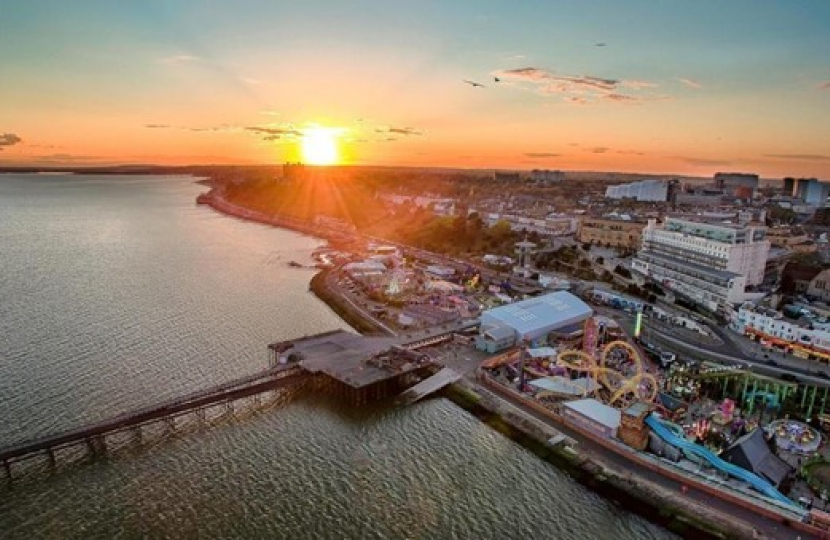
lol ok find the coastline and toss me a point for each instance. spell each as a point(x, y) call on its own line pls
point(678, 514)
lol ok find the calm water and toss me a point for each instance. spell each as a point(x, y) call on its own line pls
point(117, 292)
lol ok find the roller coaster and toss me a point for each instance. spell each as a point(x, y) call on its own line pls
point(618, 368)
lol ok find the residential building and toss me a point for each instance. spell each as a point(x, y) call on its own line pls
point(710, 263)
point(610, 232)
point(645, 191)
point(791, 238)
point(819, 287)
point(544, 176)
point(803, 338)
point(552, 225)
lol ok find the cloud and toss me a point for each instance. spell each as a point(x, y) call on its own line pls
point(618, 97)
point(637, 85)
point(9, 139)
point(703, 161)
point(158, 126)
point(691, 83)
point(275, 133)
point(404, 131)
point(801, 157)
point(598, 150)
point(250, 80)
point(824, 86)
point(64, 158)
point(541, 154)
point(179, 59)
point(577, 89)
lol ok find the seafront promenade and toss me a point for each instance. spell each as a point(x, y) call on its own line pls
point(736, 514)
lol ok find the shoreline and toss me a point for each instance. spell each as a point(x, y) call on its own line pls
point(637, 494)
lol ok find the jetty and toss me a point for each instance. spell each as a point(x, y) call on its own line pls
point(349, 366)
point(428, 386)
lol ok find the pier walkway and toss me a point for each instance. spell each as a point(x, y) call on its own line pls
point(93, 436)
point(428, 386)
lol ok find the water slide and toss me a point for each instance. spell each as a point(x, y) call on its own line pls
point(660, 428)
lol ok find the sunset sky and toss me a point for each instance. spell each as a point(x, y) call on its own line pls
point(674, 87)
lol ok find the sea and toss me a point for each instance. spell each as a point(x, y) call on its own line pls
point(117, 292)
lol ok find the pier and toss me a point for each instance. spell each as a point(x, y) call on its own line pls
point(354, 368)
point(265, 388)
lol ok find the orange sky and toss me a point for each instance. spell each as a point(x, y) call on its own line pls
point(638, 88)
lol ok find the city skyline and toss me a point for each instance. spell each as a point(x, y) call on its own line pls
point(634, 87)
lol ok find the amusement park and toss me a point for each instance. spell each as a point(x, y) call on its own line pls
point(726, 427)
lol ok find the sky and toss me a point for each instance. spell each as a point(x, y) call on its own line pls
point(636, 86)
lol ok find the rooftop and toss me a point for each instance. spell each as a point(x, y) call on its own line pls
point(597, 411)
point(556, 309)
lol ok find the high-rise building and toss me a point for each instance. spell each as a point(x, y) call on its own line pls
point(647, 190)
point(811, 191)
point(710, 263)
point(741, 185)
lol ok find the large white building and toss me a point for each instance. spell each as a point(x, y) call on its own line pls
point(532, 320)
point(647, 190)
point(709, 263)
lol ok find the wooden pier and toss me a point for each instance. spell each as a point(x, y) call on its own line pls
point(428, 386)
point(355, 368)
point(261, 389)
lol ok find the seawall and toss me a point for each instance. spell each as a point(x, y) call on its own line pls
point(632, 493)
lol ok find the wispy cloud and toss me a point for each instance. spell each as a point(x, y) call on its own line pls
point(703, 161)
point(9, 139)
point(691, 83)
point(405, 131)
point(578, 89)
point(179, 59)
point(824, 86)
point(598, 150)
point(198, 129)
point(541, 154)
point(251, 80)
point(65, 158)
point(800, 157)
point(270, 133)
point(637, 85)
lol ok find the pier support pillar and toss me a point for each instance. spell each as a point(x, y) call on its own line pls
point(50, 453)
point(200, 415)
point(97, 445)
point(136, 435)
point(7, 467)
point(170, 422)
point(229, 408)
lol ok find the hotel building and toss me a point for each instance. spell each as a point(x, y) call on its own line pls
point(708, 263)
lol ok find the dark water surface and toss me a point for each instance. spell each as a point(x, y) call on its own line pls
point(118, 291)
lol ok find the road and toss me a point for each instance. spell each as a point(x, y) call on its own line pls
point(729, 353)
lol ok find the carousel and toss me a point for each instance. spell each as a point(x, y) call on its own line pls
point(794, 436)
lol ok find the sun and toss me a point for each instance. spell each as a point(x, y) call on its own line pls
point(319, 146)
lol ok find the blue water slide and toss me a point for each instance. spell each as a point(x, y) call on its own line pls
point(662, 430)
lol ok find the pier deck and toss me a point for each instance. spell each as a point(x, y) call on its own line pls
point(428, 386)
